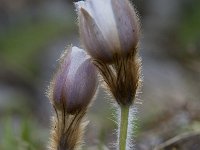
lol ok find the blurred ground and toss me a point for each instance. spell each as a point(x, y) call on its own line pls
point(34, 33)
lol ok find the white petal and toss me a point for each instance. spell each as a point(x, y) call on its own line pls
point(102, 13)
point(127, 25)
point(78, 56)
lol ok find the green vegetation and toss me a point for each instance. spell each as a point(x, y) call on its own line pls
point(21, 44)
point(22, 135)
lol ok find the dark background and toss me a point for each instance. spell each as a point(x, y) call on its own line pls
point(33, 34)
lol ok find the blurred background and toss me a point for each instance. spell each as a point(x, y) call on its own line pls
point(34, 33)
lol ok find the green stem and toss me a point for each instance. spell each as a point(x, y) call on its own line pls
point(123, 127)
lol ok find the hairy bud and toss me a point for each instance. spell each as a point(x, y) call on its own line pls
point(75, 82)
point(108, 27)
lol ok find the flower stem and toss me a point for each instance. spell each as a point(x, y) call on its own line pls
point(123, 127)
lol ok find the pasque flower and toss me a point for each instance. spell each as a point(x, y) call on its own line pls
point(75, 82)
point(108, 27)
point(70, 92)
point(109, 30)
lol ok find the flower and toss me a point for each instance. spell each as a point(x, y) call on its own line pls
point(75, 82)
point(107, 28)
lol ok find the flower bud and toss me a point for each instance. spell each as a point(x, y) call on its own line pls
point(108, 27)
point(75, 82)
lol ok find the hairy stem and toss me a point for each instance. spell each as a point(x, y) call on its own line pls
point(123, 127)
